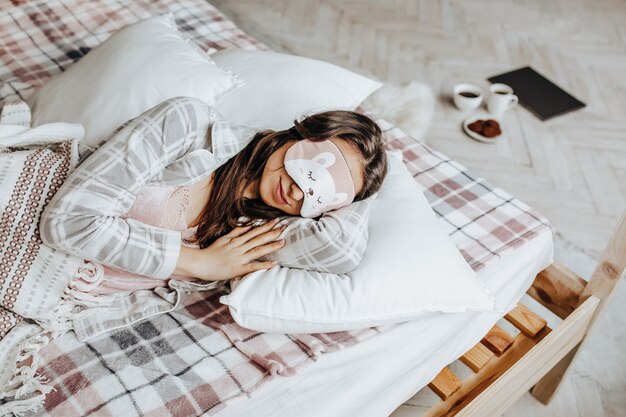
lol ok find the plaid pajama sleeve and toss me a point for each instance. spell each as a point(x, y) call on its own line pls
point(84, 219)
point(335, 243)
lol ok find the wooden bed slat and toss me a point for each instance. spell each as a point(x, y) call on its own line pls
point(445, 384)
point(509, 377)
point(497, 340)
point(476, 383)
point(558, 289)
point(477, 357)
point(525, 320)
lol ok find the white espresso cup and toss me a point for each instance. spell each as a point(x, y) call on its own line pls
point(501, 99)
point(467, 96)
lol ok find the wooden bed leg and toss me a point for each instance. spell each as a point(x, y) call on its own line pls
point(609, 271)
point(548, 385)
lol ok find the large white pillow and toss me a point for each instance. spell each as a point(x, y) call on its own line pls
point(135, 69)
point(280, 87)
point(410, 268)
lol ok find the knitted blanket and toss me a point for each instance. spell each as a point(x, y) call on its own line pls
point(35, 287)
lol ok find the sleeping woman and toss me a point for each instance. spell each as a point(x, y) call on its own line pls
point(178, 193)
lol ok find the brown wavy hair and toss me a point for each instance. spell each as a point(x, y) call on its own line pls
point(227, 204)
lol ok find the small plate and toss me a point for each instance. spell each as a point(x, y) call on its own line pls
point(477, 136)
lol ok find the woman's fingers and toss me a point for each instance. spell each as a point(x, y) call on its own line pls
point(241, 247)
point(262, 239)
point(237, 231)
point(256, 266)
point(257, 252)
point(249, 234)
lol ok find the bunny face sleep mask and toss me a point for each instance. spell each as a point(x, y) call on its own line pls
point(322, 173)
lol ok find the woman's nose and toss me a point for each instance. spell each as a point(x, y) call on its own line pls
point(296, 192)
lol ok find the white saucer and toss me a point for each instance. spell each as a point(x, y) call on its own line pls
point(477, 136)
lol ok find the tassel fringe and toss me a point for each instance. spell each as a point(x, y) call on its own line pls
point(25, 381)
point(26, 390)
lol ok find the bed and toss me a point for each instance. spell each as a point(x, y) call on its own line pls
point(197, 361)
point(378, 374)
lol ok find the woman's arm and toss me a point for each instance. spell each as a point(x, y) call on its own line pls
point(335, 243)
point(83, 218)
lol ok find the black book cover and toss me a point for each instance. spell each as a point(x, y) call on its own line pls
point(538, 94)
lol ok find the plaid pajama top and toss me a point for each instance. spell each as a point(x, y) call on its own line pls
point(169, 145)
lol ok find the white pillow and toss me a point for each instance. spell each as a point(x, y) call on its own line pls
point(135, 69)
point(280, 87)
point(410, 268)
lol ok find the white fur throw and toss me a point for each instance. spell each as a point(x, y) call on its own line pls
point(410, 106)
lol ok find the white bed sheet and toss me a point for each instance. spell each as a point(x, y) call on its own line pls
point(377, 375)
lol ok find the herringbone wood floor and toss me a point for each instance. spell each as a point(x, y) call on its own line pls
point(572, 169)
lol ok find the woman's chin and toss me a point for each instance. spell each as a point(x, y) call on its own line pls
point(287, 210)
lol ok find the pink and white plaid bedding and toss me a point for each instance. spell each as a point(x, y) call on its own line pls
point(196, 360)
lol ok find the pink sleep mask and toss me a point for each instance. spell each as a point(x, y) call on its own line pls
point(323, 175)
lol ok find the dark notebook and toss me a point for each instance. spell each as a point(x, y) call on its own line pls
point(537, 93)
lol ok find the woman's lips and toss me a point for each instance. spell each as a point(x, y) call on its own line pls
point(278, 193)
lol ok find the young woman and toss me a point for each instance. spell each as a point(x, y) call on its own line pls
point(175, 193)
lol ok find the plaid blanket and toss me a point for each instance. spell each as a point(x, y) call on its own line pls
point(197, 360)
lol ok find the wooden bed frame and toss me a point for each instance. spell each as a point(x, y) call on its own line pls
point(505, 367)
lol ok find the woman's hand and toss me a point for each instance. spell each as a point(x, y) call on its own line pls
point(233, 254)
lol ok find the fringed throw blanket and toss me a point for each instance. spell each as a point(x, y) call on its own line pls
point(34, 279)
